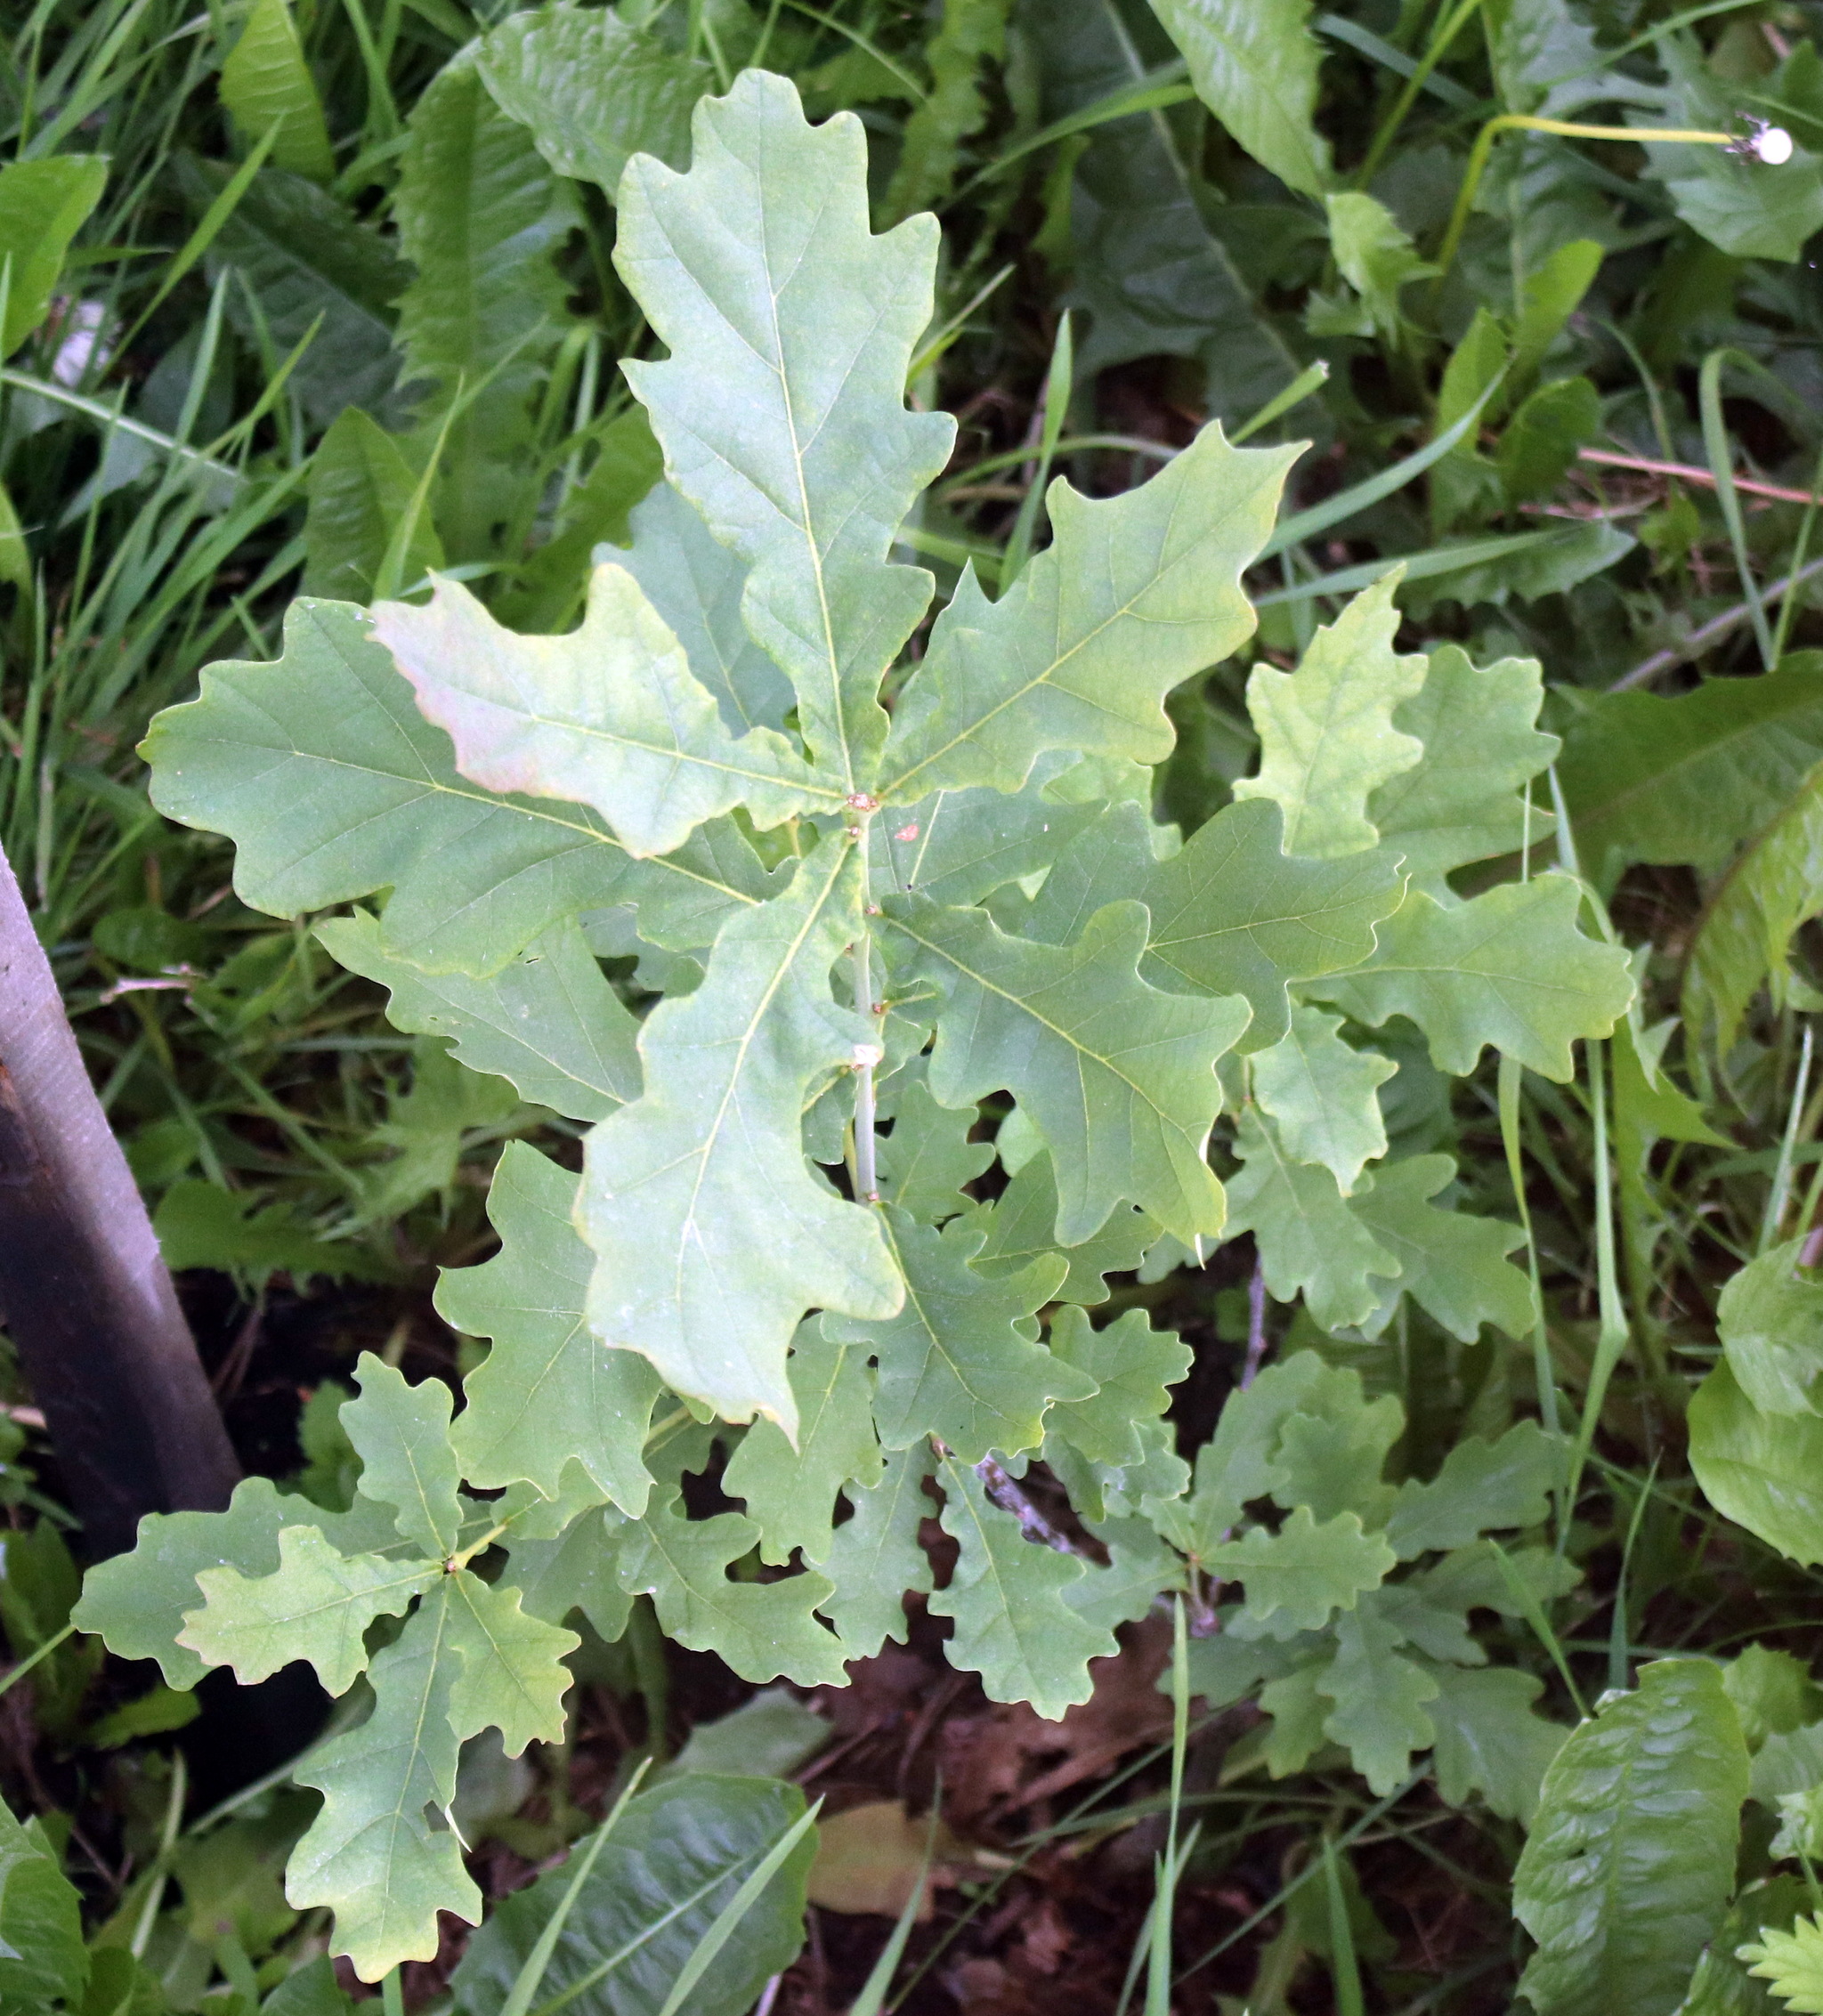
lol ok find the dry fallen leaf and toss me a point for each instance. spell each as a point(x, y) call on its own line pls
point(869, 1859)
point(1007, 1758)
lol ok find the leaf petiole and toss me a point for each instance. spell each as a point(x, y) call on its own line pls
point(459, 1560)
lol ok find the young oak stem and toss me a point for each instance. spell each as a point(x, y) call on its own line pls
point(866, 1056)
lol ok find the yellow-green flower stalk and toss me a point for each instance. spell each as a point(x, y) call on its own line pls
point(1762, 142)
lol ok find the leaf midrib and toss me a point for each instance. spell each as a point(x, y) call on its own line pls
point(704, 1153)
point(493, 801)
point(673, 753)
point(831, 661)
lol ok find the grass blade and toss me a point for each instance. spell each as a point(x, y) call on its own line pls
point(875, 1988)
point(1334, 510)
point(531, 1976)
point(735, 1909)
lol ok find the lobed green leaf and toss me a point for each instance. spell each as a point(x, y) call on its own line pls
point(315, 1605)
point(711, 1234)
point(372, 1854)
point(1118, 1076)
point(1327, 740)
point(781, 409)
point(332, 785)
point(1233, 913)
point(547, 1021)
point(954, 1362)
point(1508, 969)
point(1134, 595)
point(1003, 1596)
point(611, 716)
point(402, 1434)
point(548, 1393)
point(762, 1630)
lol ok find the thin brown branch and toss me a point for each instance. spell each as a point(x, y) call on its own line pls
point(1689, 473)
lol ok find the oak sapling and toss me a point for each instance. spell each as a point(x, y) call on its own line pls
point(874, 928)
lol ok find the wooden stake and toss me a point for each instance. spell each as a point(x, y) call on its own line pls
point(84, 1291)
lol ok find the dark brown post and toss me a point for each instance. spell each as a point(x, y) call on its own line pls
point(83, 1289)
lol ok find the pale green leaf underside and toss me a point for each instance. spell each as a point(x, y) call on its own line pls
point(712, 1237)
point(550, 1392)
point(331, 785)
point(781, 407)
point(1508, 969)
point(610, 717)
point(1135, 594)
point(314, 1606)
point(547, 1021)
point(1326, 734)
point(1118, 1076)
point(1003, 1595)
